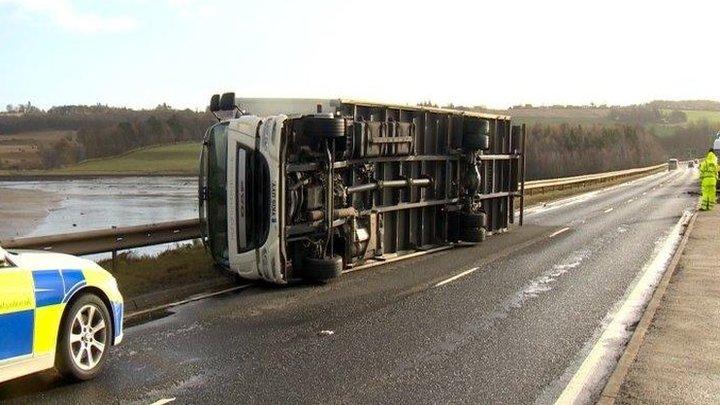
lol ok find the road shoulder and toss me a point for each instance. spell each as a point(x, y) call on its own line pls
point(673, 356)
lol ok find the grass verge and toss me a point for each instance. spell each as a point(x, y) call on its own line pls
point(185, 266)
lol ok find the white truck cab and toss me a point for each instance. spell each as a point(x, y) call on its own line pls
point(240, 176)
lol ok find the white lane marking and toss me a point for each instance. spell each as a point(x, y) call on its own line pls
point(163, 401)
point(604, 354)
point(631, 200)
point(453, 278)
point(556, 233)
point(327, 332)
point(609, 209)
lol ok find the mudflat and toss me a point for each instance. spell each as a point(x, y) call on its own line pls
point(23, 210)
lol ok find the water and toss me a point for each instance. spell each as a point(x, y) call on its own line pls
point(105, 202)
point(89, 204)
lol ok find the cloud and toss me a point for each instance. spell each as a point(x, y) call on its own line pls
point(193, 8)
point(63, 14)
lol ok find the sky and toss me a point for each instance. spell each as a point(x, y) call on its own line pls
point(140, 53)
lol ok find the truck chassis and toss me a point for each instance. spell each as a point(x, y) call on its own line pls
point(373, 181)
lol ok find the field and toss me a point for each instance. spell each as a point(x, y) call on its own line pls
point(699, 115)
point(21, 151)
point(176, 159)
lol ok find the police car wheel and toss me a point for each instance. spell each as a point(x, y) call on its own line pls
point(85, 338)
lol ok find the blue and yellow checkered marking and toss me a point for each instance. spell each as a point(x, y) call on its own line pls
point(16, 334)
point(56, 286)
point(31, 305)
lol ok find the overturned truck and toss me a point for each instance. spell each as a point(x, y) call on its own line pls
point(307, 196)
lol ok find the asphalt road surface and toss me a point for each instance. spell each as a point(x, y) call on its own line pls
point(513, 328)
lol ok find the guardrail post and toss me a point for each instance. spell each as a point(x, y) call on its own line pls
point(522, 177)
point(114, 261)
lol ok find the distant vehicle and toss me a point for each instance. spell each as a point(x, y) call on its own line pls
point(691, 164)
point(56, 311)
point(716, 145)
point(672, 164)
point(308, 196)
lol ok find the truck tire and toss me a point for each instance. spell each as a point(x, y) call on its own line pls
point(84, 339)
point(322, 269)
point(324, 126)
point(473, 220)
point(472, 234)
point(475, 141)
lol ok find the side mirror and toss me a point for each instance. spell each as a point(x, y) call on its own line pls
point(227, 102)
point(215, 103)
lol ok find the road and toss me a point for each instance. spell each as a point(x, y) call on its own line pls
point(513, 328)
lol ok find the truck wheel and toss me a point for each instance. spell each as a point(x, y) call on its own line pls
point(322, 269)
point(473, 220)
point(472, 234)
point(84, 338)
point(324, 126)
point(476, 141)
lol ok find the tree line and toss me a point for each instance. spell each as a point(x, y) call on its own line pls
point(561, 150)
point(105, 131)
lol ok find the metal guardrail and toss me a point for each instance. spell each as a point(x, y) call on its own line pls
point(110, 240)
point(116, 239)
point(542, 186)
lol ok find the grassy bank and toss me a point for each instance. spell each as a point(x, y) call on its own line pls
point(179, 158)
point(185, 266)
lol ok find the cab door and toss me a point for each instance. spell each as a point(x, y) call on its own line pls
point(240, 191)
point(17, 315)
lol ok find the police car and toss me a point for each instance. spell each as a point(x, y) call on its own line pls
point(56, 311)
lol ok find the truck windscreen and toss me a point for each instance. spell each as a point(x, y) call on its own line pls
point(216, 206)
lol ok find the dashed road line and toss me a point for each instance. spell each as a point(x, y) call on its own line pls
point(556, 233)
point(453, 278)
point(608, 210)
point(163, 401)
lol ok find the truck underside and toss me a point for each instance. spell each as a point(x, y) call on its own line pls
point(375, 181)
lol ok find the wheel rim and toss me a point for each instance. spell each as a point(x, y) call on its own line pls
point(88, 337)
